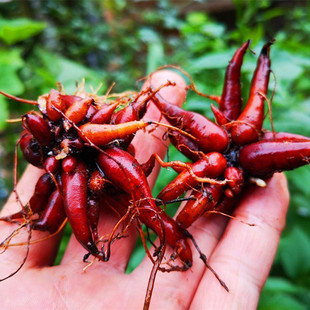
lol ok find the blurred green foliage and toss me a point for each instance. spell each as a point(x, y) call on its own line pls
point(116, 41)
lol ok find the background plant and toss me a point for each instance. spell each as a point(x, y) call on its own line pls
point(107, 41)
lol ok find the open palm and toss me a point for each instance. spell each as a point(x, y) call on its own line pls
point(242, 255)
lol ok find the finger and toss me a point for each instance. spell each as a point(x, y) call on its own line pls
point(178, 288)
point(40, 254)
point(145, 145)
point(25, 188)
point(245, 254)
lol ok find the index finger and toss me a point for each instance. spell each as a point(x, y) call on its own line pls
point(145, 145)
point(175, 94)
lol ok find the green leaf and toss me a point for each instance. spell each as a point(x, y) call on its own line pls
point(301, 204)
point(286, 69)
point(10, 81)
point(4, 115)
point(196, 18)
point(211, 61)
point(136, 258)
point(295, 253)
point(10, 62)
point(280, 285)
point(300, 179)
point(11, 57)
point(155, 56)
point(148, 35)
point(71, 72)
point(68, 72)
point(272, 13)
point(288, 66)
point(64, 243)
point(293, 121)
point(214, 30)
point(280, 302)
point(19, 29)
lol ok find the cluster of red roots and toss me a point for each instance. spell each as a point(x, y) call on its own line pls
point(83, 143)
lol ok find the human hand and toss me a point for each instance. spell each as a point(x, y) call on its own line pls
point(240, 254)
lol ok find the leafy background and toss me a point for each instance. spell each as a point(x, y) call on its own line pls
point(105, 41)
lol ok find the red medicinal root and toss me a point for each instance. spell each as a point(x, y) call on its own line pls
point(231, 100)
point(211, 165)
point(262, 159)
point(210, 137)
point(248, 125)
point(125, 172)
point(83, 144)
